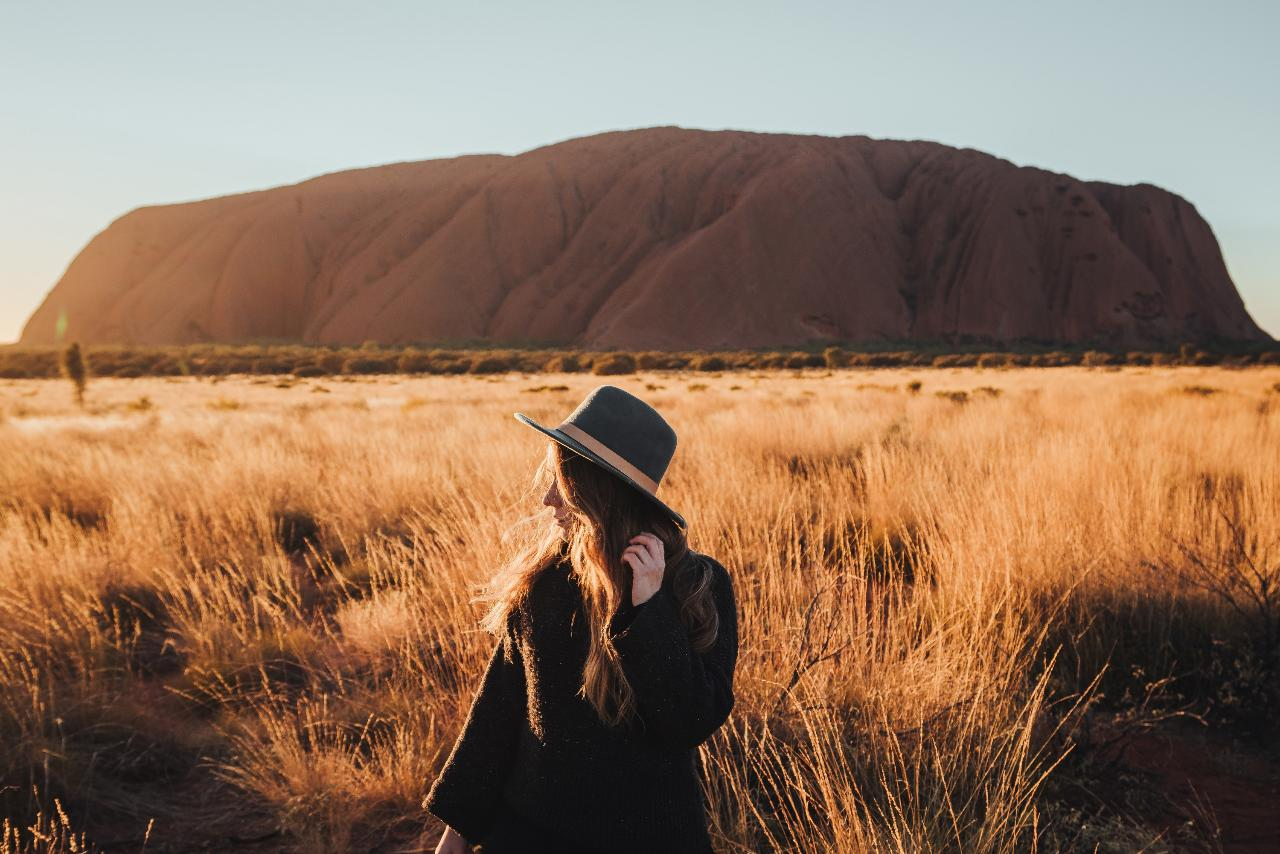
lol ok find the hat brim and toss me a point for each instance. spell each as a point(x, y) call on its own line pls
point(580, 449)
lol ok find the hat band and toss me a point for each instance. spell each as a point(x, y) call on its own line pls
point(607, 454)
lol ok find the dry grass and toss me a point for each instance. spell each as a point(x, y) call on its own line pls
point(266, 588)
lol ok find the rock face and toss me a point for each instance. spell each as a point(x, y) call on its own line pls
point(663, 238)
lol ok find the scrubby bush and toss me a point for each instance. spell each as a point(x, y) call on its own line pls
point(1204, 358)
point(955, 360)
point(836, 357)
point(614, 363)
point(709, 363)
point(1055, 359)
point(491, 365)
point(805, 360)
point(369, 365)
point(565, 363)
point(1097, 359)
point(993, 360)
point(413, 361)
point(268, 365)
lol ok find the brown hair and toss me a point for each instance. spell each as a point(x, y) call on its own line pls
point(605, 512)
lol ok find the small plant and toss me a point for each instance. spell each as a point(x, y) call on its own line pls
point(989, 391)
point(566, 363)
point(836, 357)
point(1097, 358)
point(142, 404)
point(614, 363)
point(491, 365)
point(225, 404)
point(954, 396)
point(1199, 390)
point(74, 369)
point(914, 387)
point(697, 387)
point(709, 363)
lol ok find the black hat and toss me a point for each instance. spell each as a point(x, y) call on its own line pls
point(621, 433)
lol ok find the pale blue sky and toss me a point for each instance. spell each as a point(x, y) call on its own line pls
point(109, 106)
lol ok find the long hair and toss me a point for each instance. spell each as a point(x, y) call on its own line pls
point(604, 514)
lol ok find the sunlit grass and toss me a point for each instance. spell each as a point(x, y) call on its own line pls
point(938, 573)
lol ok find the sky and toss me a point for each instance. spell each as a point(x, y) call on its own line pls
point(106, 107)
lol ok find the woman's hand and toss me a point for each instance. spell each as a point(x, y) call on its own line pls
point(452, 843)
point(647, 561)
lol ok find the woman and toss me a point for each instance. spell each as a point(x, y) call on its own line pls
point(614, 661)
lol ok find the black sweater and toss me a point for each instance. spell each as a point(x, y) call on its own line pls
point(532, 742)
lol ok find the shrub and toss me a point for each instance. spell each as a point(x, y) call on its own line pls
point(269, 365)
point(330, 360)
point(529, 363)
point(1056, 359)
point(954, 396)
point(1271, 357)
point(955, 360)
point(709, 363)
point(836, 357)
point(413, 362)
point(491, 365)
point(914, 386)
point(993, 360)
point(308, 371)
point(1097, 358)
point(454, 365)
point(368, 365)
point(614, 363)
point(797, 360)
point(565, 363)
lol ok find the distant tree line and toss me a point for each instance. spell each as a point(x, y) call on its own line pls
point(205, 360)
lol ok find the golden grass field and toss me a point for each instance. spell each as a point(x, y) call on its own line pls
point(236, 613)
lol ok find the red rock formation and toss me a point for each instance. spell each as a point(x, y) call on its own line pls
point(663, 238)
